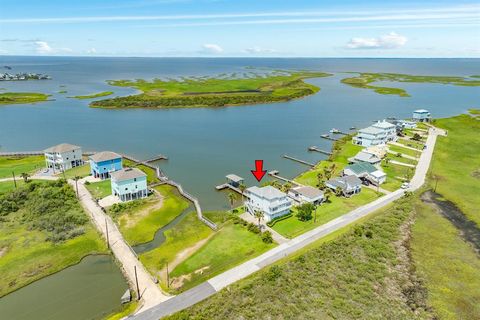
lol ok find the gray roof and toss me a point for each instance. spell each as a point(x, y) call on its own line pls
point(234, 178)
point(105, 156)
point(383, 125)
point(370, 130)
point(366, 157)
point(62, 147)
point(346, 182)
point(421, 111)
point(127, 174)
point(308, 192)
point(267, 192)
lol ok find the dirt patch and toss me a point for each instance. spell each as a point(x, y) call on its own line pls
point(469, 231)
point(476, 174)
point(179, 281)
point(3, 250)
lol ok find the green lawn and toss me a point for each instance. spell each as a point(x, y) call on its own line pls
point(7, 186)
point(81, 171)
point(456, 163)
point(448, 265)
point(230, 246)
point(401, 159)
point(184, 235)
point(138, 224)
point(213, 92)
point(29, 165)
point(338, 206)
point(411, 143)
point(408, 152)
point(22, 97)
point(100, 189)
point(396, 175)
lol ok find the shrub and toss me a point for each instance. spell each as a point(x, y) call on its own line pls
point(272, 222)
point(267, 237)
point(305, 211)
point(253, 228)
point(273, 273)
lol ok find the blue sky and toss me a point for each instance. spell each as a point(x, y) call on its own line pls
point(227, 28)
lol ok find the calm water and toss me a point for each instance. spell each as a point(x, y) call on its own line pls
point(88, 290)
point(203, 145)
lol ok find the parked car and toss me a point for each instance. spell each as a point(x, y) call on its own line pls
point(405, 185)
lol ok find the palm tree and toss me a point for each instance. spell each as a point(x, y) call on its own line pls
point(242, 188)
point(338, 191)
point(327, 173)
point(320, 179)
point(231, 198)
point(328, 193)
point(76, 183)
point(275, 184)
point(25, 176)
point(333, 167)
point(286, 186)
point(259, 215)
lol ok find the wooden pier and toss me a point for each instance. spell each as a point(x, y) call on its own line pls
point(326, 136)
point(156, 158)
point(229, 186)
point(299, 160)
point(316, 149)
point(274, 174)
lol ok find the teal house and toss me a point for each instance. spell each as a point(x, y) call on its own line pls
point(102, 164)
point(129, 184)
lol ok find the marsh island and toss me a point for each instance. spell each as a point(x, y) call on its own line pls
point(213, 92)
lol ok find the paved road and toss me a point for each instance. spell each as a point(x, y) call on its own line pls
point(150, 292)
point(219, 282)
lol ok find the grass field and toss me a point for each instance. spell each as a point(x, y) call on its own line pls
point(364, 81)
point(352, 277)
point(22, 97)
point(151, 174)
point(100, 189)
point(138, 224)
point(448, 264)
point(411, 143)
point(81, 171)
point(213, 92)
point(6, 186)
point(338, 206)
point(456, 164)
point(19, 165)
point(230, 246)
point(396, 175)
point(94, 95)
point(408, 152)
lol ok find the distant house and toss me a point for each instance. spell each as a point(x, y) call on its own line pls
point(365, 171)
point(404, 124)
point(103, 163)
point(421, 115)
point(272, 202)
point(306, 194)
point(129, 184)
point(349, 185)
point(63, 157)
point(379, 133)
point(364, 156)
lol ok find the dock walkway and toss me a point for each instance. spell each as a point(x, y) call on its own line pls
point(317, 149)
point(299, 160)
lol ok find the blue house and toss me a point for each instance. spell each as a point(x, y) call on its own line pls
point(129, 184)
point(421, 115)
point(102, 164)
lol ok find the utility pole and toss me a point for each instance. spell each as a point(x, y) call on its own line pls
point(14, 181)
point(76, 185)
point(168, 278)
point(136, 281)
point(436, 182)
point(106, 232)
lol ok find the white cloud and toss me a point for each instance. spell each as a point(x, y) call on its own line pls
point(92, 51)
point(42, 47)
point(258, 50)
point(389, 41)
point(212, 48)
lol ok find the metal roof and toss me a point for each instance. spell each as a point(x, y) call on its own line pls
point(268, 192)
point(127, 174)
point(234, 178)
point(308, 192)
point(105, 156)
point(62, 147)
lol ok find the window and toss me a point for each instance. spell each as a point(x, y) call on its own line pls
point(134, 179)
point(126, 188)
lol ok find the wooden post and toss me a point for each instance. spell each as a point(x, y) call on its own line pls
point(136, 281)
point(436, 182)
point(14, 181)
point(106, 232)
point(76, 185)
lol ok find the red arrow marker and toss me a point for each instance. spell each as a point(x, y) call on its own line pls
point(259, 172)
